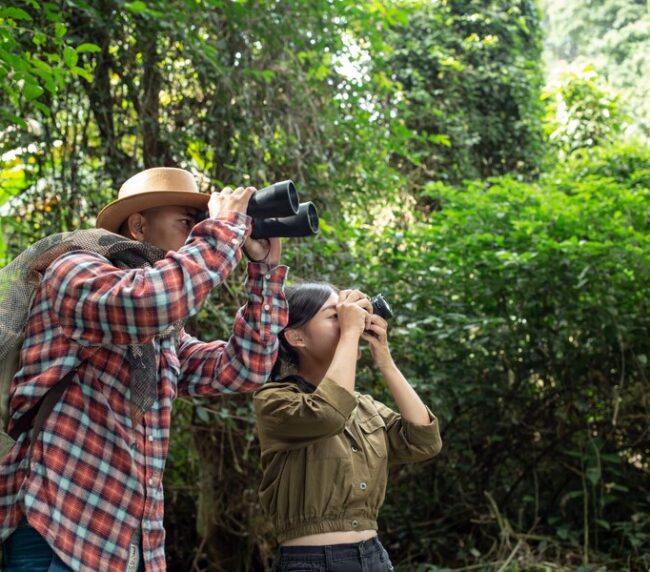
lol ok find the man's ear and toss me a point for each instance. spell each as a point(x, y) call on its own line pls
point(135, 226)
point(294, 338)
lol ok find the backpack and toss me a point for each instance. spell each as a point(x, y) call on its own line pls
point(19, 281)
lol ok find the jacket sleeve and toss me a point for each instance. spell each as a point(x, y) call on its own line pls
point(288, 417)
point(408, 442)
point(97, 303)
point(245, 361)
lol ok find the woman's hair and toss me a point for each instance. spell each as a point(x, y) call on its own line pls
point(305, 300)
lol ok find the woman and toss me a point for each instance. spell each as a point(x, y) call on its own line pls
point(326, 448)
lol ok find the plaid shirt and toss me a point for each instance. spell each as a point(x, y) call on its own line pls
point(95, 481)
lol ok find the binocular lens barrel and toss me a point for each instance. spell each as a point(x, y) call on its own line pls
point(277, 200)
point(304, 223)
point(277, 211)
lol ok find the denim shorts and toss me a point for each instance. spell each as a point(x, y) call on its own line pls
point(366, 556)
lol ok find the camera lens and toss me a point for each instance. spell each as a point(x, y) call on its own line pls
point(381, 307)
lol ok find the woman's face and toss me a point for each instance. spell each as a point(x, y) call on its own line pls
point(321, 334)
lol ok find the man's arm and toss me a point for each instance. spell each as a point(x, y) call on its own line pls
point(97, 303)
point(245, 362)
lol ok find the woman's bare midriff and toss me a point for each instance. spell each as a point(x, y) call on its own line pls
point(347, 537)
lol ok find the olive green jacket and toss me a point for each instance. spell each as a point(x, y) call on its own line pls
point(325, 456)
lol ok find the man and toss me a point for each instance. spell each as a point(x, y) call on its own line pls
point(87, 494)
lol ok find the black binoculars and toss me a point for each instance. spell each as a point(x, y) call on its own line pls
point(277, 211)
point(381, 307)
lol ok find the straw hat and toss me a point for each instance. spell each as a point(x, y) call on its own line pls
point(157, 187)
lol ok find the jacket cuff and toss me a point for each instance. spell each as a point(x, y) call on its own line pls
point(338, 397)
point(421, 434)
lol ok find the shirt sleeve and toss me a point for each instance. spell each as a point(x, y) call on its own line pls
point(245, 361)
point(97, 303)
point(409, 442)
point(288, 417)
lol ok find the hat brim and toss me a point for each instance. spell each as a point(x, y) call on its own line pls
point(114, 214)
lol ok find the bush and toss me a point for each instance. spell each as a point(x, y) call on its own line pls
point(522, 318)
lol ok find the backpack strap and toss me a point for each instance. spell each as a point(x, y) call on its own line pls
point(37, 415)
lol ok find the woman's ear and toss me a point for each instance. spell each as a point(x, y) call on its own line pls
point(294, 338)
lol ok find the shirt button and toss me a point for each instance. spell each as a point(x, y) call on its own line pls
point(355, 523)
point(363, 486)
point(268, 277)
point(150, 438)
point(267, 307)
point(152, 482)
point(234, 241)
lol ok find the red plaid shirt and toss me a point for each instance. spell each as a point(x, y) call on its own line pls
point(94, 480)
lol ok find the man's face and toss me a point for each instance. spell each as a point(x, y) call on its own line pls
point(168, 227)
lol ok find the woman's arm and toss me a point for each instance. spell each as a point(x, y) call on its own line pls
point(352, 320)
point(408, 401)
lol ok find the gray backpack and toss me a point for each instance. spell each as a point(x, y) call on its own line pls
point(19, 281)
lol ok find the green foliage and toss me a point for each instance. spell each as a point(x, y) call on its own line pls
point(581, 113)
point(35, 60)
point(522, 312)
point(471, 79)
point(523, 320)
point(612, 35)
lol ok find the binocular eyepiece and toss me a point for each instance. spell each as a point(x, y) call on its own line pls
point(277, 211)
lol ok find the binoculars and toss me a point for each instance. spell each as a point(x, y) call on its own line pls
point(277, 211)
point(381, 307)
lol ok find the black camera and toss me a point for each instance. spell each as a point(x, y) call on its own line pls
point(381, 307)
point(277, 211)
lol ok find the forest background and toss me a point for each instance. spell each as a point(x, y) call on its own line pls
point(483, 164)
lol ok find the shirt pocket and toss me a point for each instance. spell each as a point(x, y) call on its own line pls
point(373, 433)
point(332, 448)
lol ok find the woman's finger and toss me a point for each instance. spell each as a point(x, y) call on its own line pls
point(377, 319)
point(365, 304)
point(356, 295)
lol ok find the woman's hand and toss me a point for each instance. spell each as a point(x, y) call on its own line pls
point(352, 312)
point(376, 334)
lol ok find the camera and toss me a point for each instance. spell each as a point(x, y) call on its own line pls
point(277, 211)
point(381, 307)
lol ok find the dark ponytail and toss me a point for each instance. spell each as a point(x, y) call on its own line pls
point(305, 300)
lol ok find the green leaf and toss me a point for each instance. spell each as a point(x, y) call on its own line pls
point(203, 414)
point(44, 109)
point(81, 72)
point(60, 30)
point(15, 14)
point(13, 118)
point(137, 7)
point(603, 523)
point(593, 474)
point(86, 47)
point(32, 91)
point(70, 56)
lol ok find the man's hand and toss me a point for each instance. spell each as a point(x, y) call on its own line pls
point(265, 250)
point(229, 200)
